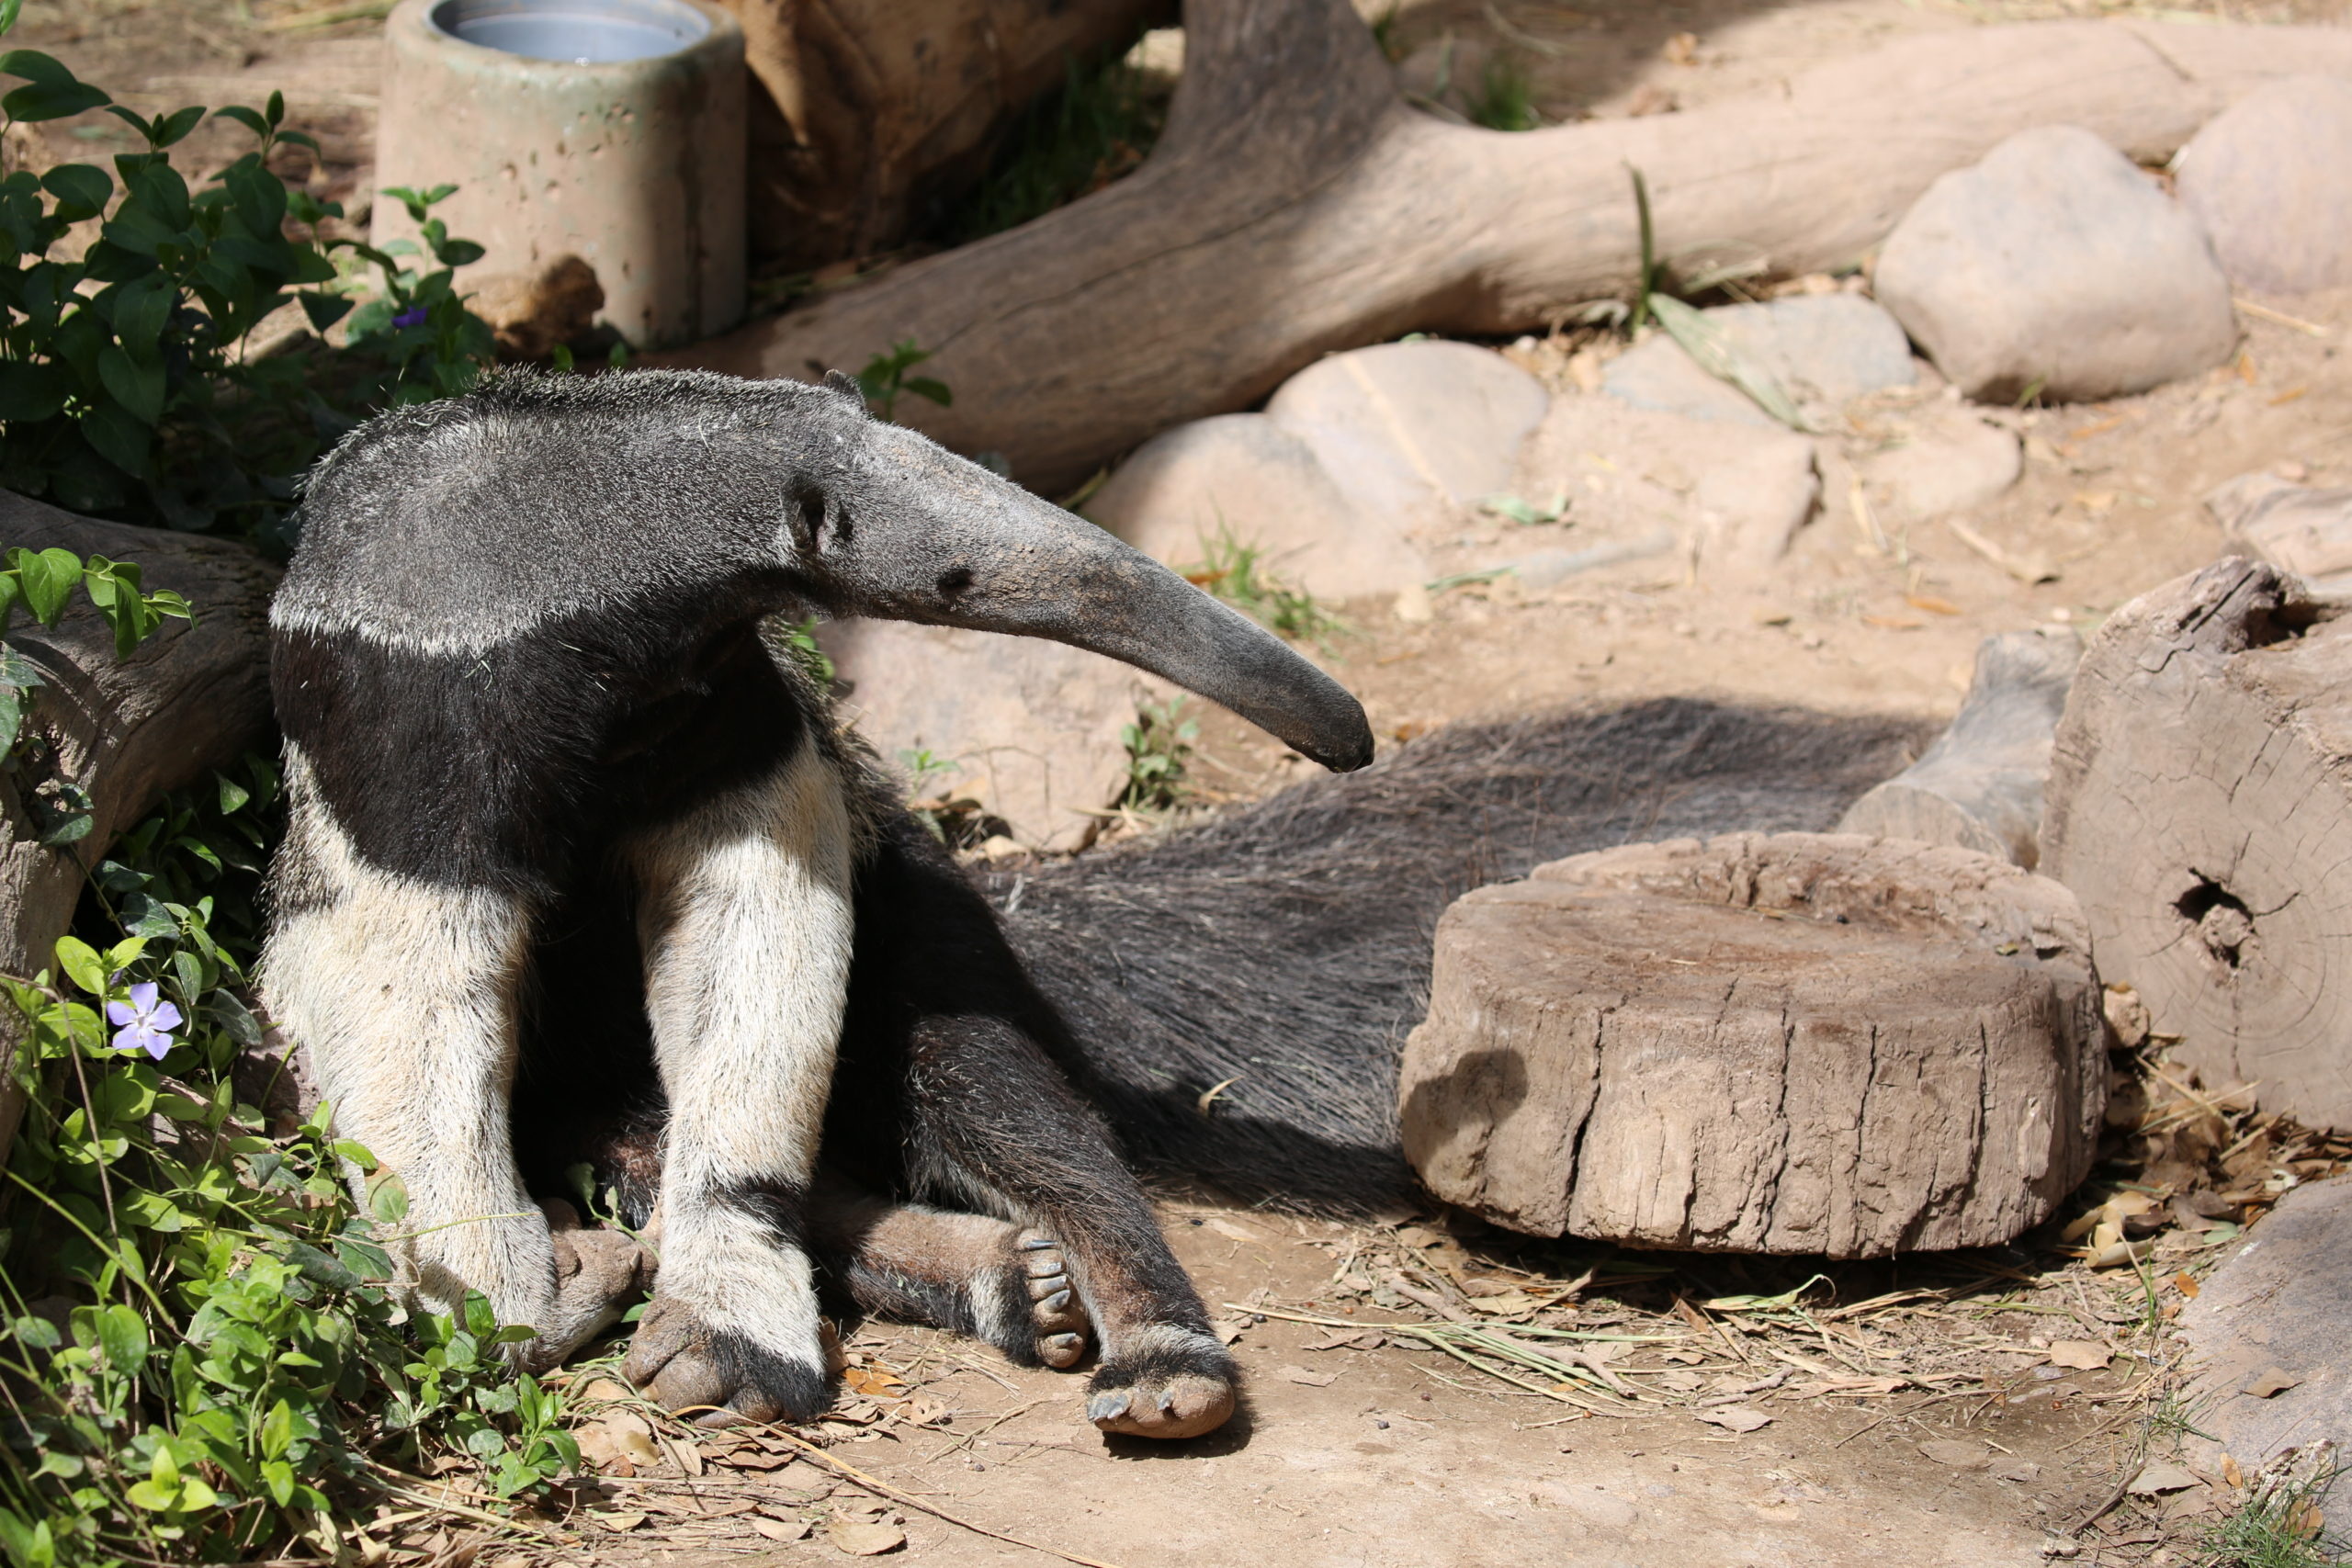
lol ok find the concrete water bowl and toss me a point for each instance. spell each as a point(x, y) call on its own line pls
point(608, 129)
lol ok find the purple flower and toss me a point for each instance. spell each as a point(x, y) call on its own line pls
point(412, 317)
point(145, 1023)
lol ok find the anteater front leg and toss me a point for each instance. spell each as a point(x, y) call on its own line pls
point(745, 925)
point(403, 992)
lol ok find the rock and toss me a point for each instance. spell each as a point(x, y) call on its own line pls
point(1412, 433)
point(1032, 727)
point(1657, 375)
point(2055, 263)
point(1246, 475)
point(1789, 1044)
point(1738, 492)
point(2279, 1308)
point(533, 314)
point(1825, 351)
point(2271, 180)
point(1950, 461)
point(2298, 529)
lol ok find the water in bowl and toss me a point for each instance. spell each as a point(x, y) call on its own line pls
point(585, 32)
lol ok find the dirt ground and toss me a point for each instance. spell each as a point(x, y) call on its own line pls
point(1919, 1414)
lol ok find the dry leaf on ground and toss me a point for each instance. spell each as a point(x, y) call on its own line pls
point(2159, 1478)
point(2271, 1383)
point(1312, 1380)
point(780, 1531)
point(1736, 1418)
point(862, 1539)
point(2081, 1355)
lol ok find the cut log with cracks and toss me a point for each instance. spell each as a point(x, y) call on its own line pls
point(1792, 1043)
point(2200, 807)
point(113, 735)
point(1979, 786)
point(1295, 206)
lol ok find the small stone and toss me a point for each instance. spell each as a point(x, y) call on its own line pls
point(2269, 180)
point(2055, 266)
point(2127, 1016)
point(1951, 461)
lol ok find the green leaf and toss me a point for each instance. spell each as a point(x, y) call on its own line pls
point(118, 437)
point(176, 126)
point(139, 388)
point(40, 101)
point(260, 195)
point(458, 253)
point(80, 964)
point(83, 185)
point(276, 107)
point(30, 390)
point(34, 66)
point(124, 1339)
point(48, 580)
point(8, 9)
point(323, 310)
point(244, 116)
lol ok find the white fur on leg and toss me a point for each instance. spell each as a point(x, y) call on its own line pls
point(404, 994)
point(746, 927)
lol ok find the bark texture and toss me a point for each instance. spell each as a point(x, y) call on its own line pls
point(865, 111)
point(127, 730)
point(1296, 205)
point(1789, 1044)
point(2200, 807)
point(1979, 786)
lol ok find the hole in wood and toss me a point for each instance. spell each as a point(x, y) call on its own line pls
point(2223, 922)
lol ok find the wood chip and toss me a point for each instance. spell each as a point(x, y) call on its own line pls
point(2081, 1355)
point(618, 1522)
point(1312, 1380)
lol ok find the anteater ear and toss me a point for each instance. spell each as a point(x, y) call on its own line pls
point(845, 386)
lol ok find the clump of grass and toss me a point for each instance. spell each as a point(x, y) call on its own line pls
point(1236, 573)
point(2279, 1524)
point(1159, 750)
point(1505, 99)
point(1100, 126)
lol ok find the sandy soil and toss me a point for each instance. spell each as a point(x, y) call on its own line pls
point(1928, 1426)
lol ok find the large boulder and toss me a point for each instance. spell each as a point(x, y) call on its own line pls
point(1416, 431)
point(1032, 728)
point(2055, 264)
point(1357, 460)
point(1793, 1043)
point(1243, 477)
point(2271, 180)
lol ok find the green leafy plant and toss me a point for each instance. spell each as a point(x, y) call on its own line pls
point(129, 383)
point(1386, 36)
point(797, 641)
point(1652, 279)
point(1160, 748)
point(2277, 1523)
point(1505, 99)
point(885, 379)
point(1236, 573)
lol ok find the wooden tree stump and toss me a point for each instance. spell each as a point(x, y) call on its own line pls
point(1793, 1043)
point(1979, 786)
point(2200, 807)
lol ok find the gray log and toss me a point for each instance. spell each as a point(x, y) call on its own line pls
point(2200, 807)
point(1793, 1043)
point(1979, 786)
point(127, 730)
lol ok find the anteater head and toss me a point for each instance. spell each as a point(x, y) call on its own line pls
point(895, 526)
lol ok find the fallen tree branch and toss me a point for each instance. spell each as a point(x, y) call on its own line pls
point(1296, 205)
